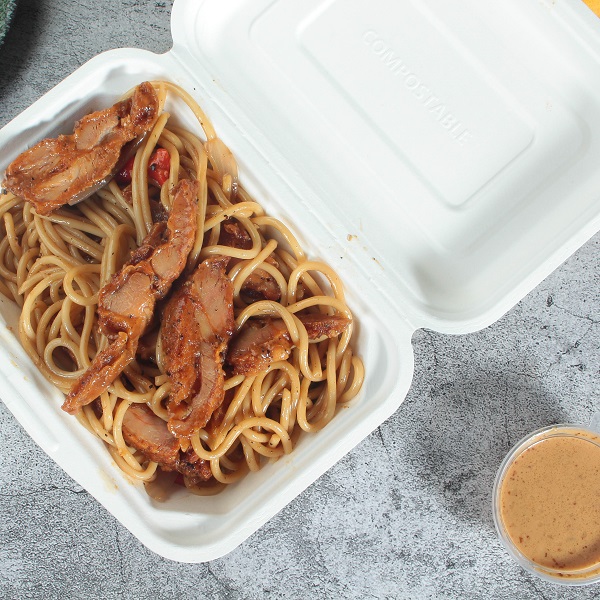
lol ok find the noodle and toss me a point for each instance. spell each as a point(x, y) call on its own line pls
point(53, 267)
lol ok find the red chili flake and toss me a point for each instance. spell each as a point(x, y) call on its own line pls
point(159, 167)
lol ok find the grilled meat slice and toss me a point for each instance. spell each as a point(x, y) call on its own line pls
point(258, 344)
point(264, 341)
point(234, 235)
point(149, 434)
point(126, 303)
point(197, 325)
point(58, 170)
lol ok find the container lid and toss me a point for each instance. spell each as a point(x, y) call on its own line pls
point(452, 148)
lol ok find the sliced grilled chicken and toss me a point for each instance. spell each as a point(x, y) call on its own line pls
point(261, 342)
point(197, 325)
point(58, 170)
point(149, 434)
point(126, 303)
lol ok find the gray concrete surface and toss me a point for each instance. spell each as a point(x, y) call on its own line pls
point(405, 515)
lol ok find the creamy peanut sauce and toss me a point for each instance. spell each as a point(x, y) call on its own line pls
point(550, 501)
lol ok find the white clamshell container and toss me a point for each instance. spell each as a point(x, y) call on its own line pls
point(442, 156)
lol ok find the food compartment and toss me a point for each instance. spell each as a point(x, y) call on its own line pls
point(187, 527)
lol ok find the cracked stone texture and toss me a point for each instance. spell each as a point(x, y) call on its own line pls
point(405, 515)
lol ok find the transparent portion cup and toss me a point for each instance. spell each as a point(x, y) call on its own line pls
point(585, 576)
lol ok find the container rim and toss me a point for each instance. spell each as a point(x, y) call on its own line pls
point(575, 577)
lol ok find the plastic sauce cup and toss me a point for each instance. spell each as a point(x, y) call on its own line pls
point(546, 504)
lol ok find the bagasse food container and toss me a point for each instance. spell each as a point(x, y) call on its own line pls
point(442, 156)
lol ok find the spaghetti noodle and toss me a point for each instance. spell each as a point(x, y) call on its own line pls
point(54, 265)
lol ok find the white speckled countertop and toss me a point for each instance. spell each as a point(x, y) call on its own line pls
point(405, 515)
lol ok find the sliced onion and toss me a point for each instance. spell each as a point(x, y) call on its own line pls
point(223, 163)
